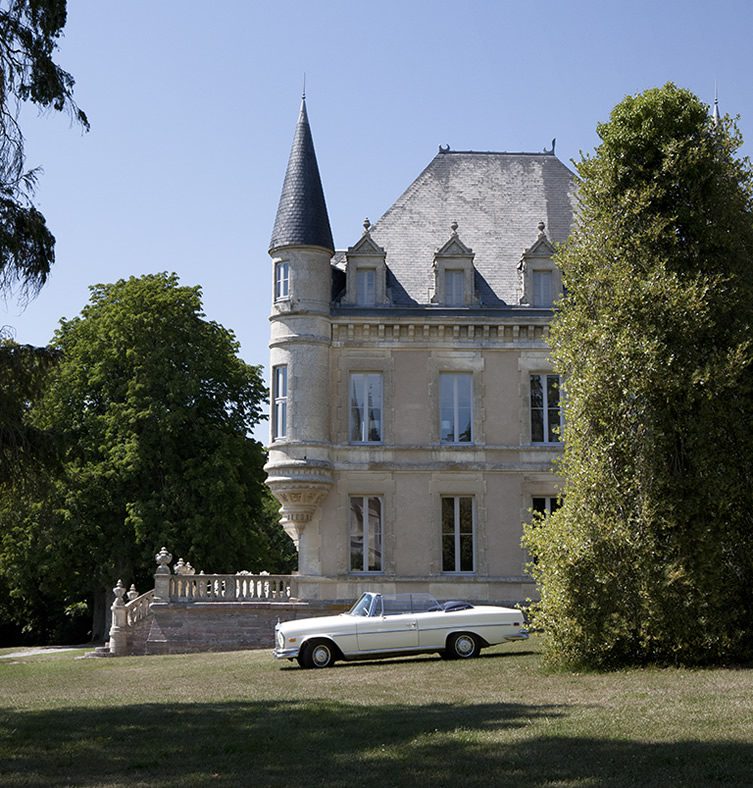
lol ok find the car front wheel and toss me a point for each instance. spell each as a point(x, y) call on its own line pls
point(462, 646)
point(317, 654)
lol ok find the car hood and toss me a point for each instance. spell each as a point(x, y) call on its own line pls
point(321, 624)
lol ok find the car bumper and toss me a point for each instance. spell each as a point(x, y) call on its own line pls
point(518, 636)
point(286, 653)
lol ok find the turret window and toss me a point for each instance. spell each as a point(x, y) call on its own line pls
point(282, 280)
point(279, 401)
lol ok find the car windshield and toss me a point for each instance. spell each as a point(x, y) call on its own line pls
point(362, 606)
point(371, 604)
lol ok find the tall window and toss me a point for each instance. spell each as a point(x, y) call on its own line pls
point(366, 407)
point(282, 280)
point(543, 295)
point(279, 401)
point(454, 287)
point(457, 534)
point(455, 407)
point(365, 533)
point(546, 416)
point(366, 286)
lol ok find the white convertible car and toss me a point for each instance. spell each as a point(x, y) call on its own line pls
point(388, 625)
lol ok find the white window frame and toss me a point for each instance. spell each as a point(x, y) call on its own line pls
point(457, 535)
point(455, 405)
point(365, 535)
point(361, 381)
point(279, 401)
point(282, 280)
point(545, 409)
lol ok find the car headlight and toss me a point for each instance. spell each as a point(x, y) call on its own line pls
point(280, 640)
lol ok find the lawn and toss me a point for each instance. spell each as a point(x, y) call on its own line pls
point(243, 719)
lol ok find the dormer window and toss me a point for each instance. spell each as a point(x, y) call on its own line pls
point(454, 287)
point(540, 279)
point(543, 294)
point(454, 273)
point(366, 286)
point(282, 280)
point(365, 272)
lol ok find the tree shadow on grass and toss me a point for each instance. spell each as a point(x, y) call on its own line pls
point(341, 744)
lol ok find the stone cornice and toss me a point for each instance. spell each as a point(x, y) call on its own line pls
point(474, 331)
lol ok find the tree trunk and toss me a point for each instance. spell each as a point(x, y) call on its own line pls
point(101, 614)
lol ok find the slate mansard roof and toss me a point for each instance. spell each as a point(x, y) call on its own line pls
point(497, 200)
point(302, 218)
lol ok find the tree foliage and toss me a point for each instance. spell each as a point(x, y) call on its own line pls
point(29, 32)
point(153, 410)
point(23, 447)
point(650, 557)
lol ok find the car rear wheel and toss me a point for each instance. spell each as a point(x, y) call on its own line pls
point(317, 654)
point(462, 645)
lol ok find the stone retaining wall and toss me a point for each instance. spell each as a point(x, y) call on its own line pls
point(180, 628)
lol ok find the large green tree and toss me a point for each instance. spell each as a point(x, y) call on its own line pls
point(650, 557)
point(153, 410)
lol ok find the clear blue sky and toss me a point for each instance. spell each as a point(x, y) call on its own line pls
point(193, 107)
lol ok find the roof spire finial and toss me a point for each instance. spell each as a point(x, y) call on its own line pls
point(303, 95)
point(715, 111)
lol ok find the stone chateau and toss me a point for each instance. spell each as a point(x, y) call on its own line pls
point(415, 416)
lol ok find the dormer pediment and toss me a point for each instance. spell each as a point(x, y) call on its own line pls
point(366, 246)
point(454, 248)
point(542, 248)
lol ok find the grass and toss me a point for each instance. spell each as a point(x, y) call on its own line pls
point(241, 718)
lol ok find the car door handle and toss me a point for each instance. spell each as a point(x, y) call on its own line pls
point(413, 625)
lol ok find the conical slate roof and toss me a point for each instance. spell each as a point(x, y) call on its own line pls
point(302, 218)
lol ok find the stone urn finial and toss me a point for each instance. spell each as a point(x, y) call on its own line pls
point(163, 558)
point(132, 593)
point(119, 590)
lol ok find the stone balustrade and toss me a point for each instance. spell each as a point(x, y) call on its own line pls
point(185, 587)
point(230, 588)
point(137, 607)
